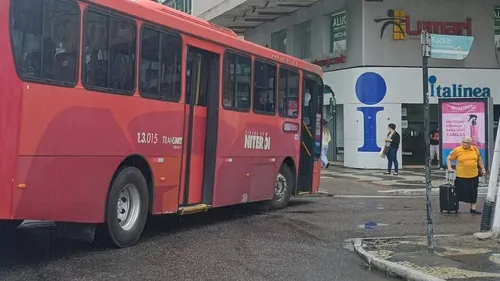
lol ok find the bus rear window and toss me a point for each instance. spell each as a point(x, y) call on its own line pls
point(45, 37)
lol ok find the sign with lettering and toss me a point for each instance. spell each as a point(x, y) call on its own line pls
point(331, 61)
point(338, 39)
point(463, 118)
point(404, 28)
point(451, 47)
point(456, 90)
point(257, 140)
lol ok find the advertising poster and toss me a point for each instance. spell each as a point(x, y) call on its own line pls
point(460, 119)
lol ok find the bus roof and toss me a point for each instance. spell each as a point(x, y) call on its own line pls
point(151, 11)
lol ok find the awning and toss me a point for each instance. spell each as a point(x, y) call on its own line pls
point(251, 13)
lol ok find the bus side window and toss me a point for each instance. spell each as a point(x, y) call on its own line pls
point(160, 65)
point(264, 88)
point(237, 82)
point(109, 52)
point(149, 63)
point(45, 37)
point(170, 65)
point(288, 94)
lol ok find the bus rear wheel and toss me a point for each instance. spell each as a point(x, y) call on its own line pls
point(127, 207)
point(283, 188)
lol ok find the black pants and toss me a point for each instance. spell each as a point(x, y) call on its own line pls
point(466, 189)
point(392, 157)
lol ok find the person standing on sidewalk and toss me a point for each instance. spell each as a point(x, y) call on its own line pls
point(327, 138)
point(394, 139)
point(467, 159)
point(434, 147)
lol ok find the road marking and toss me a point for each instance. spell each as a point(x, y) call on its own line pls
point(390, 196)
point(376, 196)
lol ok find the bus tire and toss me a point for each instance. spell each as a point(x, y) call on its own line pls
point(127, 207)
point(283, 188)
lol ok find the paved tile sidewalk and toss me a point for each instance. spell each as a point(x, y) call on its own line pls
point(455, 257)
point(413, 178)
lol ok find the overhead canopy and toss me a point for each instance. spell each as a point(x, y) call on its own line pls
point(252, 13)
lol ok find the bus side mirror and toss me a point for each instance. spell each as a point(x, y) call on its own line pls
point(332, 106)
point(332, 103)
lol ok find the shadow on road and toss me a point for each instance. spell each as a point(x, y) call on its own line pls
point(35, 245)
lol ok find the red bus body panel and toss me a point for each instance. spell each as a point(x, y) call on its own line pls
point(316, 177)
point(60, 147)
point(10, 114)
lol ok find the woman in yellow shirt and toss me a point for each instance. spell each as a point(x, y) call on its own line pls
point(467, 159)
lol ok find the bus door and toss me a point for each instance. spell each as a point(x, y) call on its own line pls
point(312, 114)
point(202, 95)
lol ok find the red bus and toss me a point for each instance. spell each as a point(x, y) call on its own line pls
point(114, 110)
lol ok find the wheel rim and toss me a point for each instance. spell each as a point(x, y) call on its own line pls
point(281, 187)
point(129, 204)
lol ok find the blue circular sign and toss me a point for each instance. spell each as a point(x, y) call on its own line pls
point(370, 88)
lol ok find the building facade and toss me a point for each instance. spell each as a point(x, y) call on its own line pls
point(370, 52)
point(185, 6)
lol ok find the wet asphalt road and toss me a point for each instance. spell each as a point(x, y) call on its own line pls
point(304, 242)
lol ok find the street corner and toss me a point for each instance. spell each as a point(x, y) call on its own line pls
point(455, 257)
point(405, 179)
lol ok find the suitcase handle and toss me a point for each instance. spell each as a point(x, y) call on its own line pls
point(450, 176)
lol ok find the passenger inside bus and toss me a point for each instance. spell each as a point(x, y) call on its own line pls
point(261, 101)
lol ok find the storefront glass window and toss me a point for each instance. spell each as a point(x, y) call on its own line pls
point(303, 40)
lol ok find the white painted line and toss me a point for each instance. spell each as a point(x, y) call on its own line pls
point(391, 196)
point(376, 196)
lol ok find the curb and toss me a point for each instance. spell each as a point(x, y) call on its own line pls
point(324, 192)
point(391, 268)
point(419, 192)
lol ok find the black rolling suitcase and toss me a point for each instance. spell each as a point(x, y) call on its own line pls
point(448, 200)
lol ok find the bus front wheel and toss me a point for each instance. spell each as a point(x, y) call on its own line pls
point(283, 188)
point(127, 207)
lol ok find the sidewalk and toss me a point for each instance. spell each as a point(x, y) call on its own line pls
point(455, 258)
point(410, 181)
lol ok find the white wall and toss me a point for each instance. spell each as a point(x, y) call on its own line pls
point(404, 85)
point(354, 136)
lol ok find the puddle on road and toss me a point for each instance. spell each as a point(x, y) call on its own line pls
point(372, 225)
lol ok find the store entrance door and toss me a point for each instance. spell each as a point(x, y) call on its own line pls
point(412, 132)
